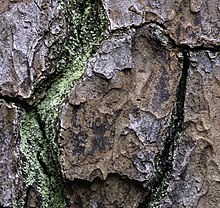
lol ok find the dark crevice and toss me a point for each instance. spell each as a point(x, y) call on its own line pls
point(26, 197)
point(149, 23)
point(86, 183)
point(24, 105)
point(159, 184)
point(52, 163)
point(212, 48)
point(17, 101)
point(125, 29)
point(43, 164)
point(40, 92)
point(182, 89)
point(185, 47)
point(41, 89)
point(40, 123)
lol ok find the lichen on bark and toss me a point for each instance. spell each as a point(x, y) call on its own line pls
point(38, 120)
point(39, 167)
point(131, 121)
point(86, 23)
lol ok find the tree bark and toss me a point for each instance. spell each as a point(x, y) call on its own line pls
point(109, 103)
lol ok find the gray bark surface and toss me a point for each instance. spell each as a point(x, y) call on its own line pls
point(110, 103)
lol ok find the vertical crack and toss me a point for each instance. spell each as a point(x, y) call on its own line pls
point(48, 157)
point(40, 163)
point(43, 146)
point(157, 187)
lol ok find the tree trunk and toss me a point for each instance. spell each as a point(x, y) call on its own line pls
point(109, 104)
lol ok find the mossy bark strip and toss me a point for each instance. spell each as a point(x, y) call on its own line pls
point(38, 124)
point(40, 165)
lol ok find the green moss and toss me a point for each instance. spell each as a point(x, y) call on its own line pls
point(87, 21)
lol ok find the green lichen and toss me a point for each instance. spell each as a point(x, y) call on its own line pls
point(87, 21)
point(37, 151)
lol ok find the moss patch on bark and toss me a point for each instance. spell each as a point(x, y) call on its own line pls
point(86, 21)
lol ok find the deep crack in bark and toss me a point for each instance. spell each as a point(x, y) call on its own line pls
point(23, 104)
point(19, 102)
point(52, 154)
point(164, 160)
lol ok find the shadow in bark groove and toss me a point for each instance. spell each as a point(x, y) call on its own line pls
point(158, 186)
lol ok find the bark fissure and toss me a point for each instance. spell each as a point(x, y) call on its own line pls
point(51, 151)
point(40, 165)
point(109, 103)
point(24, 105)
point(15, 100)
point(39, 112)
point(159, 184)
point(184, 47)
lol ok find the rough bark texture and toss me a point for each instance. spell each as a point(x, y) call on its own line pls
point(109, 103)
point(10, 175)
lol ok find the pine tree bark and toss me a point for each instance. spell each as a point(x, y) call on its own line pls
point(109, 103)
